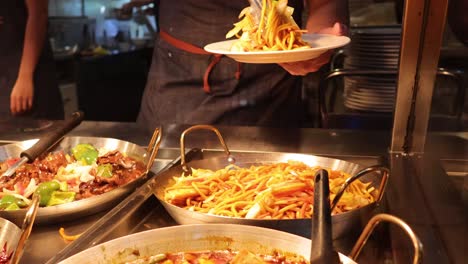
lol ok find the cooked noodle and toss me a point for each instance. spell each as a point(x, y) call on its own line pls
point(274, 30)
point(272, 191)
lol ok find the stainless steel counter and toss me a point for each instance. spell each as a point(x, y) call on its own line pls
point(419, 191)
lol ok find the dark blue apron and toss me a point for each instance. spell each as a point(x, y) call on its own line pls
point(264, 95)
point(47, 102)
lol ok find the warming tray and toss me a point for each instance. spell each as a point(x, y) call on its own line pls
point(142, 211)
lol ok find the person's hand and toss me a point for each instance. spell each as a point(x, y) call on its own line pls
point(21, 97)
point(313, 65)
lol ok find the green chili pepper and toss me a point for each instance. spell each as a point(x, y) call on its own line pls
point(85, 153)
point(9, 202)
point(104, 170)
point(45, 190)
point(12, 207)
point(58, 197)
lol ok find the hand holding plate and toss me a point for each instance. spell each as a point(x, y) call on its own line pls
point(314, 64)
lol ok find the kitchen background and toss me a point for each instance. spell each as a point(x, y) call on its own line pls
point(103, 57)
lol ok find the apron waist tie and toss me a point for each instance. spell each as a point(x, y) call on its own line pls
point(185, 46)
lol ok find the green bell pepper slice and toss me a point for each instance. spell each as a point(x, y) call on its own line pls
point(58, 197)
point(10, 202)
point(45, 191)
point(104, 170)
point(85, 153)
point(12, 207)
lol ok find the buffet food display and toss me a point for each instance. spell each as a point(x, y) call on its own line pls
point(79, 176)
point(273, 190)
point(61, 177)
point(282, 190)
point(206, 197)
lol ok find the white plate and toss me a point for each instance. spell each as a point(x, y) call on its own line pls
point(320, 43)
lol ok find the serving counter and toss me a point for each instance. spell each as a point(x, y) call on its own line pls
point(428, 191)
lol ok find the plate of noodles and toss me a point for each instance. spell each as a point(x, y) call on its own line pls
point(319, 44)
point(269, 34)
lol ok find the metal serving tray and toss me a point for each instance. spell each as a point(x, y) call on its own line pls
point(142, 211)
point(45, 241)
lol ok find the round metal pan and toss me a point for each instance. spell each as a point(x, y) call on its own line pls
point(88, 206)
point(9, 236)
point(342, 223)
point(187, 238)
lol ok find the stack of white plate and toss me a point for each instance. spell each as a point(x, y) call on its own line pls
point(372, 48)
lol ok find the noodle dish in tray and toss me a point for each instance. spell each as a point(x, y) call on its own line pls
point(267, 189)
point(282, 190)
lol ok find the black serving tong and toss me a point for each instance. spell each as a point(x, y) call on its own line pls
point(322, 251)
point(46, 142)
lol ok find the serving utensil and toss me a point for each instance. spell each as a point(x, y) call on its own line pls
point(12, 238)
point(26, 229)
point(46, 142)
point(322, 245)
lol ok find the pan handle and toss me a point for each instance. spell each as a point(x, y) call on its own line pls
point(200, 127)
point(50, 139)
point(153, 147)
point(383, 183)
point(373, 222)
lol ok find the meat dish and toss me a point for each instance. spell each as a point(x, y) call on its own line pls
point(60, 177)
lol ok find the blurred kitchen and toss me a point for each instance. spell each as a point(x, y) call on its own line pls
point(103, 56)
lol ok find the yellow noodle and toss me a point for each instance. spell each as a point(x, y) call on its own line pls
point(233, 191)
point(275, 30)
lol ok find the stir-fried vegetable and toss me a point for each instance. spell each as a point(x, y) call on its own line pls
point(45, 190)
point(104, 170)
point(10, 202)
point(59, 197)
point(60, 177)
point(85, 153)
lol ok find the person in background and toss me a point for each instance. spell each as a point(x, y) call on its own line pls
point(186, 86)
point(458, 20)
point(28, 85)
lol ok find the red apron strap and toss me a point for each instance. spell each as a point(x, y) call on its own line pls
point(185, 46)
point(206, 84)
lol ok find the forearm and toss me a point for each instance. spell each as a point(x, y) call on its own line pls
point(35, 34)
point(323, 13)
